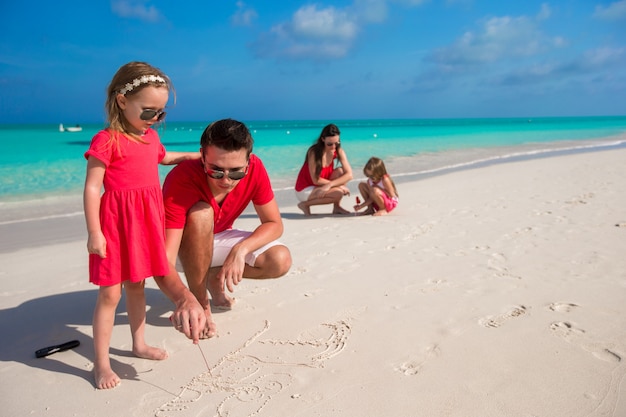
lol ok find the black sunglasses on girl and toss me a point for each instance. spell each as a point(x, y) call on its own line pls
point(149, 114)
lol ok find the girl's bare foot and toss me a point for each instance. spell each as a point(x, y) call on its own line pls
point(381, 213)
point(150, 352)
point(105, 378)
point(305, 209)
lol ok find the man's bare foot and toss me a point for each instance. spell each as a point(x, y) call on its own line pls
point(219, 299)
point(225, 303)
point(211, 329)
point(105, 378)
point(305, 209)
point(150, 352)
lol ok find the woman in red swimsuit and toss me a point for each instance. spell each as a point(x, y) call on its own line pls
point(319, 180)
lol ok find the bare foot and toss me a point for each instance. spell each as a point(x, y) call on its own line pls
point(150, 352)
point(381, 213)
point(223, 302)
point(340, 210)
point(211, 328)
point(306, 209)
point(219, 299)
point(105, 378)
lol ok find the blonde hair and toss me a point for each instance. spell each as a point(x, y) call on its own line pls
point(129, 79)
point(377, 170)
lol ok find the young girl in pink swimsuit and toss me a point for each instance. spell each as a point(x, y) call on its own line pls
point(379, 191)
point(125, 224)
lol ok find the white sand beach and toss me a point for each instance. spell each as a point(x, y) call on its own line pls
point(496, 291)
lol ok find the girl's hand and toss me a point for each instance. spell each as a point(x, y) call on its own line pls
point(97, 244)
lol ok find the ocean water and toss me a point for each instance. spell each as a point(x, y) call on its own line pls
point(39, 161)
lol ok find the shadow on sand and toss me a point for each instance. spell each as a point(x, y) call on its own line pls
point(55, 319)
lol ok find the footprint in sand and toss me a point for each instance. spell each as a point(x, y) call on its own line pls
point(572, 334)
point(581, 199)
point(498, 262)
point(297, 271)
point(418, 232)
point(412, 367)
point(499, 320)
point(562, 307)
point(432, 285)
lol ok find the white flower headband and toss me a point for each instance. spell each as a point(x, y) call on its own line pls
point(141, 80)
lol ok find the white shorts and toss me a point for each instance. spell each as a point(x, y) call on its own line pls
point(224, 241)
point(305, 193)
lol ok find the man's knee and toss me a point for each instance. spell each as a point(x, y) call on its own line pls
point(278, 261)
point(200, 215)
point(197, 235)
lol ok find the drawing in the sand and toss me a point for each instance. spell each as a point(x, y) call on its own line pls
point(245, 381)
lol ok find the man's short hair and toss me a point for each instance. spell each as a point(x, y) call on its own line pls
point(227, 134)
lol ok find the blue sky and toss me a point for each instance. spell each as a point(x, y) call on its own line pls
point(356, 59)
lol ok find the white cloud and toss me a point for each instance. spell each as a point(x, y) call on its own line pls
point(244, 16)
point(500, 37)
point(614, 11)
point(593, 63)
point(329, 23)
point(315, 32)
point(312, 33)
point(137, 9)
point(605, 56)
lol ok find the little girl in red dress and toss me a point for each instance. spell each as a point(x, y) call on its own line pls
point(125, 224)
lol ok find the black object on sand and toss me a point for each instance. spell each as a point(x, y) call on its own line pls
point(56, 348)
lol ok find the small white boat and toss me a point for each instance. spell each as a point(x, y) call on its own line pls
point(76, 128)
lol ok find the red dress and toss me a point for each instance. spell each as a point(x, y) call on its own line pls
point(304, 176)
point(131, 210)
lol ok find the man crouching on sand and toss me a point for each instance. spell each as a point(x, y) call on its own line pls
point(203, 198)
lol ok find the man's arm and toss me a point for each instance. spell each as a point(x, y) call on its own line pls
point(189, 316)
point(270, 229)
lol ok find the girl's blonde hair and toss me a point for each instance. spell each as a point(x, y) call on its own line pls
point(129, 80)
point(375, 168)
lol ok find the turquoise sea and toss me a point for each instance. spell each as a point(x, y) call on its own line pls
point(40, 161)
